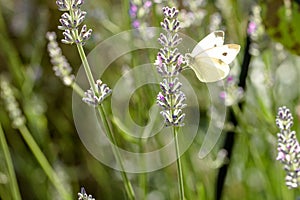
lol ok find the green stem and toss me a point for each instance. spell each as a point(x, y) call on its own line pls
point(100, 109)
point(142, 176)
point(178, 162)
point(12, 176)
point(77, 89)
point(86, 67)
point(44, 163)
point(126, 19)
point(127, 184)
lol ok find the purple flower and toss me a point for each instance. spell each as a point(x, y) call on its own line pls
point(158, 61)
point(280, 156)
point(139, 11)
point(133, 10)
point(180, 60)
point(230, 79)
point(148, 4)
point(136, 24)
point(161, 97)
point(222, 95)
point(251, 28)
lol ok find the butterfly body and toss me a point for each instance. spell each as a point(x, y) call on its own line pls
point(210, 58)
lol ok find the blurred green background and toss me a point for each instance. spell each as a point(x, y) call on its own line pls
point(273, 81)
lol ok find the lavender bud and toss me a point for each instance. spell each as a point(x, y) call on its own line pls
point(284, 118)
point(95, 98)
point(84, 196)
point(77, 3)
point(63, 5)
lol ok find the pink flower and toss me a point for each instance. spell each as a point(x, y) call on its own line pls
point(133, 10)
point(222, 95)
point(180, 60)
point(251, 28)
point(230, 79)
point(147, 4)
point(280, 156)
point(158, 61)
point(136, 24)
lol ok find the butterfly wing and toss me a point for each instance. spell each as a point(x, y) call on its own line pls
point(214, 39)
point(212, 64)
point(209, 69)
point(226, 53)
point(210, 58)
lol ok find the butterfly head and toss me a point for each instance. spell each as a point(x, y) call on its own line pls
point(189, 58)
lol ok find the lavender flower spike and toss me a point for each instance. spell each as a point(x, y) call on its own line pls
point(169, 63)
point(61, 67)
point(71, 21)
point(288, 147)
point(11, 104)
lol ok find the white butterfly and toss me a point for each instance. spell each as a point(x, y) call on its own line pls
point(210, 58)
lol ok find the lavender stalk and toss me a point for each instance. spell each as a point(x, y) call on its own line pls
point(169, 65)
point(70, 22)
